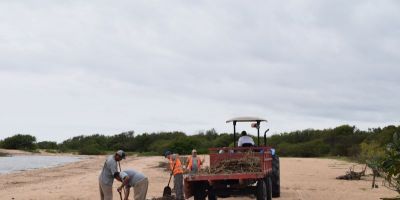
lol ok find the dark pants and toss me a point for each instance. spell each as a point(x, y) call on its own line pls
point(247, 145)
point(178, 185)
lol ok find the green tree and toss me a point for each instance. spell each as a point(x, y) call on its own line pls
point(19, 141)
point(184, 145)
point(122, 141)
point(223, 140)
point(391, 163)
point(47, 145)
point(91, 149)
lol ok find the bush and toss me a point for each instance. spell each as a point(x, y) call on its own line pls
point(92, 149)
point(159, 146)
point(63, 149)
point(371, 151)
point(313, 148)
point(51, 151)
point(224, 140)
point(78, 142)
point(47, 145)
point(121, 141)
point(390, 164)
point(19, 141)
point(184, 146)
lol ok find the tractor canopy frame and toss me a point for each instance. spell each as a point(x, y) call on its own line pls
point(257, 120)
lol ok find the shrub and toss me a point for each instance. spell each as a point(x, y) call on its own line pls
point(371, 151)
point(313, 148)
point(51, 151)
point(184, 146)
point(224, 140)
point(91, 149)
point(390, 164)
point(160, 146)
point(47, 145)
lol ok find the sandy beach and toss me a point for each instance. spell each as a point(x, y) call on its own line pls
point(301, 179)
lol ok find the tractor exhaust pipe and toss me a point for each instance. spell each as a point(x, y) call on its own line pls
point(265, 137)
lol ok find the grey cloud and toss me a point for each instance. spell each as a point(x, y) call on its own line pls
point(83, 67)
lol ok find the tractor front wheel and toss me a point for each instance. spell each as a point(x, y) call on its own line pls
point(276, 188)
point(211, 194)
point(261, 192)
point(268, 185)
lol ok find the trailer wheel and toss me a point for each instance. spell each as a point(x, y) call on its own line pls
point(199, 192)
point(211, 194)
point(276, 188)
point(261, 192)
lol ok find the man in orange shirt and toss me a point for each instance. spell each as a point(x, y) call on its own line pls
point(176, 170)
point(194, 162)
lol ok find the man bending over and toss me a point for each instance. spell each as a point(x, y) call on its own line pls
point(132, 178)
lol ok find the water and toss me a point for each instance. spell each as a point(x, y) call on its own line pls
point(22, 163)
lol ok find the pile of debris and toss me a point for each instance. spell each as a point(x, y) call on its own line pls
point(352, 175)
point(165, 198)
point(231, 166)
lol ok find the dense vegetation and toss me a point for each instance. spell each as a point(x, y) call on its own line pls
point(340, 141)
point(154, 143)
point(47, 145)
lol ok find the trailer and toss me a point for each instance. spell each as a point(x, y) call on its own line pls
point(262, 182)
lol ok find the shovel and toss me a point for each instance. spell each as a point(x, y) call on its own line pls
point(120, 195)
point(167, 190)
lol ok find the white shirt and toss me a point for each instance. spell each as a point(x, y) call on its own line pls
point(109, 168)
point(134, 176)
point(245, 139)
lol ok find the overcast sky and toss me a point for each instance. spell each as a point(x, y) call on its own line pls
point(82, 67)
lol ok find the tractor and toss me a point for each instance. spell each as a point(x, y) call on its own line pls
point(263, 182)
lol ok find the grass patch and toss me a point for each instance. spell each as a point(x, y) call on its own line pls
point(30, 150)
point(341, 158)
point(51, 151)
point(65, 150)
point(147, 154)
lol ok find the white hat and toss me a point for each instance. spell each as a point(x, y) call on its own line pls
point(122, 175)
point(121, 153)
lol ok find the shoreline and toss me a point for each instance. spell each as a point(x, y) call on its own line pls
point(41, 152)
point(18, 161)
